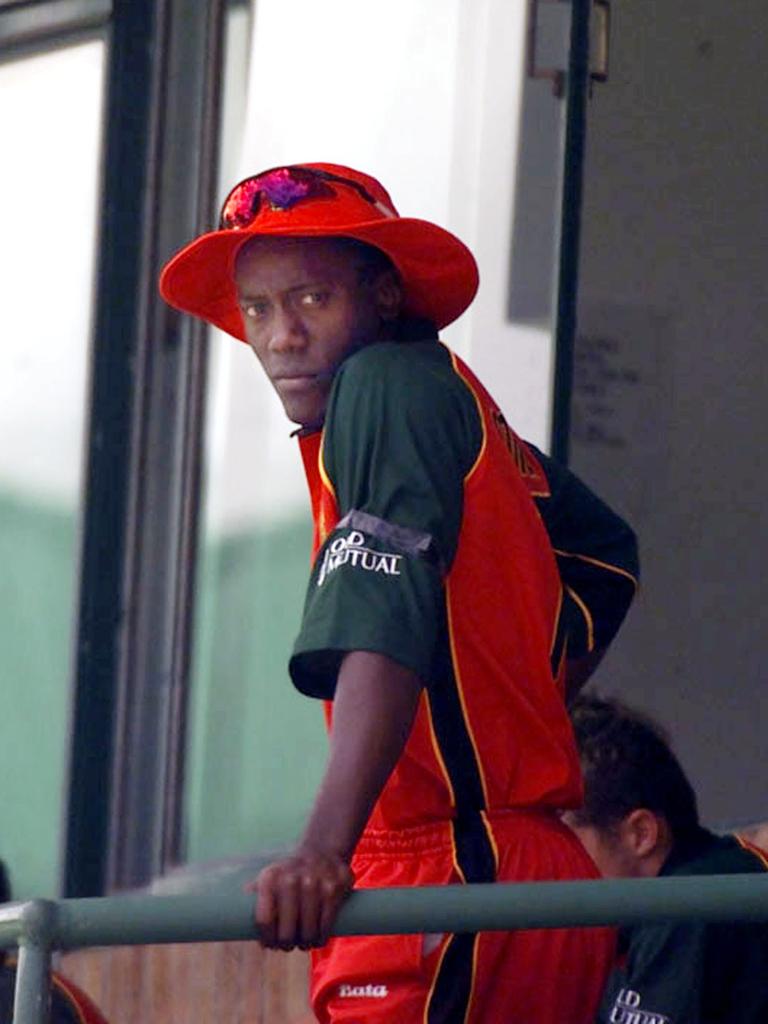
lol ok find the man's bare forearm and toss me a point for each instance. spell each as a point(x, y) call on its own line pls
point(299, 895)
point(373, 711)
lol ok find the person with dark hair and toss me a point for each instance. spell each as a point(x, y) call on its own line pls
point(69, 1004)
point(461, 580)
point(639, 820)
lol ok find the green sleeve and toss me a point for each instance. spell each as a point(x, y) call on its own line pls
point(596, 554)
point(402, 431)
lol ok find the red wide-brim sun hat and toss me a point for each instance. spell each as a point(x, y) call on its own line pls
point(319, 200)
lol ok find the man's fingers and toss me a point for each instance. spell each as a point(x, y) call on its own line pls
point(298, 899)
point(287, 908)
point(266, 906)
point(309, 923)
point(334, 891)
point(330, 908)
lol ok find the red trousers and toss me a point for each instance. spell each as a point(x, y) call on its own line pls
point(544, 976)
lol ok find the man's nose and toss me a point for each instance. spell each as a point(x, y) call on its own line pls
point(286, 330)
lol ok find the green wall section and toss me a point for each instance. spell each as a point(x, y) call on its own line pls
point(37, 557)
point(256, 746)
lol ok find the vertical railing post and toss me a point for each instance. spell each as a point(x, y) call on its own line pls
point(32, 999)
point(31, 1004)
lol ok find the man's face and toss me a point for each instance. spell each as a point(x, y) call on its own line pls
point(306, 306)
point(607, 847)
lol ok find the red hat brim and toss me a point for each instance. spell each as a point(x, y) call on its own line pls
point(438, 272)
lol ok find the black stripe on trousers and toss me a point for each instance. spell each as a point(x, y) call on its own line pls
point(452, 990)
point(449, 1001)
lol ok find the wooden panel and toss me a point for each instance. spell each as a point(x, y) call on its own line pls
point(236, 982)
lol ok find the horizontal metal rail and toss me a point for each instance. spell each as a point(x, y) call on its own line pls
point(39, 926)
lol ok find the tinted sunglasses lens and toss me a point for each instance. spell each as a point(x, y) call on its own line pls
point(281, 188)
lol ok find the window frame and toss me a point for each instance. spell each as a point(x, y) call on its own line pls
point(29, 28)
point(144, 451)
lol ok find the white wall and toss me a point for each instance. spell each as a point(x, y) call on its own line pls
point(672, 388)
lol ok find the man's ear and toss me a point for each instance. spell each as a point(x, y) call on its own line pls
point(642, 831)
point(388, 295)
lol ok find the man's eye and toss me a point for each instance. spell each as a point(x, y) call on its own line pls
point(314, 298)
point(255, 310)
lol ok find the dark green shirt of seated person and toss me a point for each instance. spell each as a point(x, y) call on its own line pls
point(640, 820)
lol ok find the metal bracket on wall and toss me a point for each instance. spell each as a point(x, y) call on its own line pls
point(600, 34)
point(600, 29)
point(556, 75)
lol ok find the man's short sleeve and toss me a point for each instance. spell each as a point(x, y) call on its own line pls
point(596, 554)
point(402, 431)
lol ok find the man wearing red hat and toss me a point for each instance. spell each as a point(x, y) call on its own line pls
point(460, 582)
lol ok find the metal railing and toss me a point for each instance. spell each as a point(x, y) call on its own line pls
point(41, 926)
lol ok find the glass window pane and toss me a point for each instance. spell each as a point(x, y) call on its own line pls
point(50, 107)
point(253, 737)
point(253, 566)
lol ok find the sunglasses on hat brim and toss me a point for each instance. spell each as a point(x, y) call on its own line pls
point(284, 187)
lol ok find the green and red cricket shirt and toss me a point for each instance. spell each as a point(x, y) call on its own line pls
point(448, 544)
